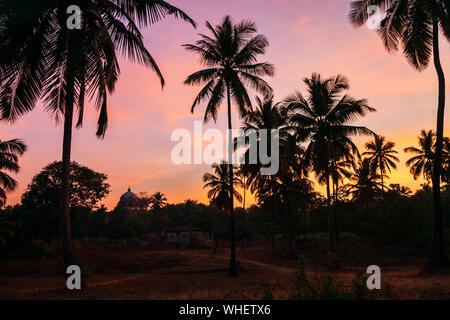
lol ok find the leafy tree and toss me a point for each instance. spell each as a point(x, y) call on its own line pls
point(323, 121)
point(381, 155)
point(416, 25)
point(10, 151)
point(87, 187)
point(43, 59)
point(230, 55)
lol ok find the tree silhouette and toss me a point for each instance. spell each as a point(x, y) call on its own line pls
point(230, 55)
point(219, 185)
point(44, 59)
point(416, 24)
point(364, 185)
point(10, 151)
point(422, 162)
point(158, 201)
point(323, 121)
point(381, 156)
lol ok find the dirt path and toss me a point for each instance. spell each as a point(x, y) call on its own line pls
point(272, 267)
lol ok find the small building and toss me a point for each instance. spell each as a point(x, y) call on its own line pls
point(187, 234)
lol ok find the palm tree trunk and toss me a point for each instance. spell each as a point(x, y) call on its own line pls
point(437, 255)
point(335, 214)
point(382, 178)
point(232, 271)
point(330, 215)
point(65, 181)
point(243, 201)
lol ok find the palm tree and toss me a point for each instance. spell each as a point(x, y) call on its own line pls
point(422, 163)
point(219, 185)
point(10, 151)
point(416, 23)
point(381, 156)
point(323, 120)
point(158, 201)
point(363, 185)
point(242, 176)
point(266, 115)
point(43, 59)
point(399, 191)
point(230, 55)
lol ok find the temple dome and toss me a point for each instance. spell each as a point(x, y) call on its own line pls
point(129, 201)
point(128, 196)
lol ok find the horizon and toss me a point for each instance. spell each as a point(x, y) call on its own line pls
point(137, 146)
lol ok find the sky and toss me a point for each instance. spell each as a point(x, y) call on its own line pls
point(304, 37)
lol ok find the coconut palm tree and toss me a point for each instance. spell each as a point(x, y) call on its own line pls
point(230, 55)
point(10, 151)
point(421, 164)
point(323, 120)
point(416, 24)
point(266, 115)
point(158, 201)
point(381, 156)
point(364, 185)
point(43, 59)
point(219, 185)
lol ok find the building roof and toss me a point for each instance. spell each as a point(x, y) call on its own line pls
point(129, 195)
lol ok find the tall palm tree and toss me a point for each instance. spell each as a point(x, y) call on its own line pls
point(416, 24)
point(422, 163)
point(381, 156)
point(10, 151)
point(219, 185)
point(46, 60)
point(230, 55)
point(323, 120)
point(158, 201)
point(266, 115)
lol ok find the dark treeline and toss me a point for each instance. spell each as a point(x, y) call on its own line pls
point(403, 219)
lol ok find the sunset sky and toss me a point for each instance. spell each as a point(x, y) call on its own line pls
point(305, 36)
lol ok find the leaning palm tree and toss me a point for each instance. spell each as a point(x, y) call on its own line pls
point(10, 151)
point(158, 201)
point(323, 120)
point(230, 55)
point(421, 164)
point(219, 185)
point(416, 24)
point(43, 59)
point(381, 155)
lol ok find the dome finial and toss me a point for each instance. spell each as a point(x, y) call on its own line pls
point(129, 189)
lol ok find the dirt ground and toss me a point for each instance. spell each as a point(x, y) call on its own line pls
point(131, 273)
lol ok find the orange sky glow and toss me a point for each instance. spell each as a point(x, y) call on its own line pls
point(305, 36)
